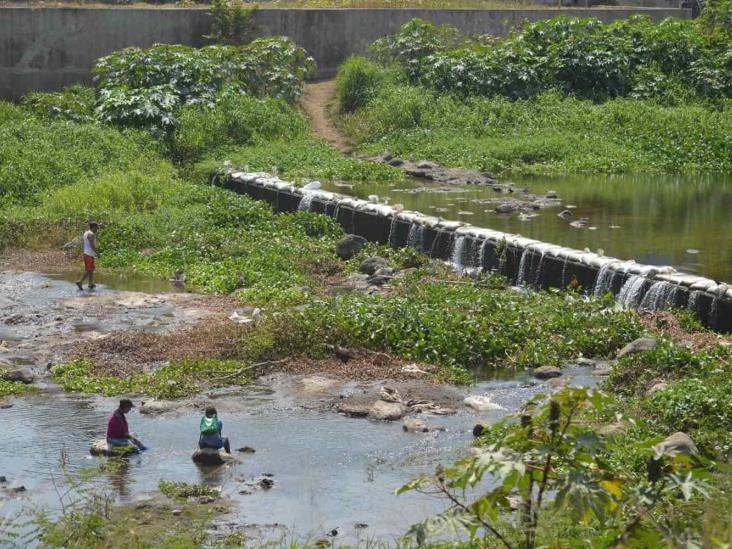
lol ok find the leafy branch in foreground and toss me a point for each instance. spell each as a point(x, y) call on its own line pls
point(550, 461)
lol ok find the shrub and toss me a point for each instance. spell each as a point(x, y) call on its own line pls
point(143, 87)
point(357, 83)
point(75, 103)
point(235, 121)
point(36, 156)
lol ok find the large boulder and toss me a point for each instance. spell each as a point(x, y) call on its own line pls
point(388, 411)
point(22, 375)
point(638, 346)
point(381, 276)
point(154, 407)
point(678, 443)
point(372, 264)
point(354, 409)
point(349, 246)
point(547, 372)
point(100, 447)
point(211, 457)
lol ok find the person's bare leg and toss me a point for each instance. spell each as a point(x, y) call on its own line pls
point(91, 280)
point(80, 282)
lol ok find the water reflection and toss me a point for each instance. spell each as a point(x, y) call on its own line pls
point(652, 219)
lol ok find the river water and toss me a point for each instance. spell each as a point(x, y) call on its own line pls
point(329, 470)
point(683, 221)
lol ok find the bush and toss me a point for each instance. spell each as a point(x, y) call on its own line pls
point(235, 121)
point(357, 83)
point(36, 156)
point(143, 87)
point(578, 56)
point(75, 103)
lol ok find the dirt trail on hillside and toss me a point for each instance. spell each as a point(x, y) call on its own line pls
point(315, 102)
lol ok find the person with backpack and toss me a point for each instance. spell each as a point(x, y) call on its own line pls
point(211, 427)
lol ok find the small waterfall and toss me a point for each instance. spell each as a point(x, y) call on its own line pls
point(337, 211)
point(539, 268)
point(306, 202)
point(481, 255)
point(458, 252)
point(693, 301)
point(415, 238)
point(660, 296)
point(604, 282)
point(631, 293)
point(524, 266)
point(392, 231)
point(564, 272)
point(474, 256)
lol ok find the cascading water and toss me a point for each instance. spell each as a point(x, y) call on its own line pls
point(564, 271)
point(693, 300)
point(660, 296)
point(306, 202)
point(539, 268)
point(604, 282)
point(524, 266)
point(631, 294)
point(415, 238)
point(392, 232)
point(458, 252)
point(481, 255)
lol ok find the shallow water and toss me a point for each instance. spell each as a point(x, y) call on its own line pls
point(652, 219)
point(124, 281)
point(329, 470)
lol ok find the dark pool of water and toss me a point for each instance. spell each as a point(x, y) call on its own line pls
point(655, 220)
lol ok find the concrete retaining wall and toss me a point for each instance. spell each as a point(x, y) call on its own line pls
point(45, 49)
point(521, 260)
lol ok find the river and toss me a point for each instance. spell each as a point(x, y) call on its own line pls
point(682, 221)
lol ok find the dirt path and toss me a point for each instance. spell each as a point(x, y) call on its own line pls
point(315, 102)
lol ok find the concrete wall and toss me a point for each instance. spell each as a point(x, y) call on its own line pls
point(521, 260)
point(46, 49)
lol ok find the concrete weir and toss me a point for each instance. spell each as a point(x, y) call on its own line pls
point(522, 260)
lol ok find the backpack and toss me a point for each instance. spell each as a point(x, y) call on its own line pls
point(209, 425)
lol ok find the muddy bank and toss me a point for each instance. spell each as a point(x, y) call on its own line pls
point(42, 318)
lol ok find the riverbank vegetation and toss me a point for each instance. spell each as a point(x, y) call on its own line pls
point(557, 96)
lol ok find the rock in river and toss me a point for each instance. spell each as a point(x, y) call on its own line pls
point(638, 346)
point(349, 246)
point(20, 374)
point(209, 456)
point(154, 407)
point(100, 448)
point(383, 410)
point(547, 372)
point(481, 403)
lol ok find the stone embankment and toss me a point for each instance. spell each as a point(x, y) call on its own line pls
point(522, 260)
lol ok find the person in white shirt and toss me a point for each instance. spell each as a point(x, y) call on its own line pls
point(90, 255)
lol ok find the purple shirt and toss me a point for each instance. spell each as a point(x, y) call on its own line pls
point(117, 426)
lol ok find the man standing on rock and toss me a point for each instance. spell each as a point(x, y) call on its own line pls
point(90, 255)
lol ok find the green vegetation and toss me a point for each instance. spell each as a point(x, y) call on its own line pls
point(176, 379)
point(184, 490)
point(559, 466)
point(559, 96)
point(8, 388)
point(461, 327)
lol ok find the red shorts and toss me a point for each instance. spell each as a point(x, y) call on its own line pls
point(89, 263)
